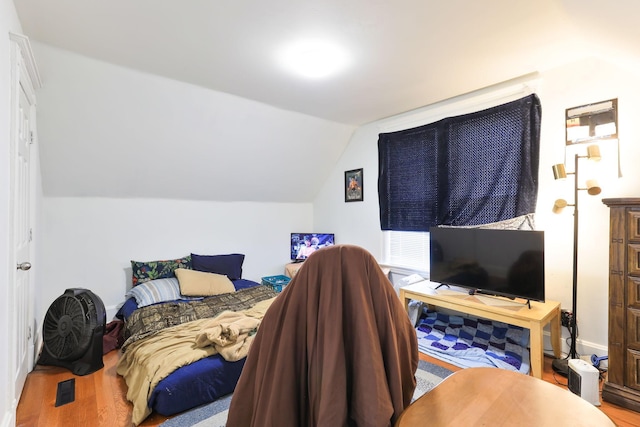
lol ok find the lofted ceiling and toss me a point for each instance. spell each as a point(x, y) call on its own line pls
point(403, 54)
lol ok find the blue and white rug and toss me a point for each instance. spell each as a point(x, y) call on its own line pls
point(471, 342)
point(215, 414)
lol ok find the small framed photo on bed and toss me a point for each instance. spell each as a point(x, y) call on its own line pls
point(353, 189)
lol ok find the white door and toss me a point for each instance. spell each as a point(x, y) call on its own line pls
point(21, 241)
point(22, 134)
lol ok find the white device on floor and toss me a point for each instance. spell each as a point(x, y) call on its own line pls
point(583, 380)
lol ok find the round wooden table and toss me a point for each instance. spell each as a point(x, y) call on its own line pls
point(498, 397)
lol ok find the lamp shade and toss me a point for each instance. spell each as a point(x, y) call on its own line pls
point(593, 153)
point(593, 188)
point(559, 171)
point(559, 205)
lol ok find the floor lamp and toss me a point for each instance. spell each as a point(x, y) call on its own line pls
point(593, 153)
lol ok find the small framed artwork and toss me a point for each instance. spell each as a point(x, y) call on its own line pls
point(353, 186)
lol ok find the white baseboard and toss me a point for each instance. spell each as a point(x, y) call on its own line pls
point(37, 344)
point(583, 348)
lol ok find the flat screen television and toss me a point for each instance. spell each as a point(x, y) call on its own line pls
point(507, 263)
point(303, 244)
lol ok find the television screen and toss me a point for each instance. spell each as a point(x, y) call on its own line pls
point(496, 262)
point(304, 244)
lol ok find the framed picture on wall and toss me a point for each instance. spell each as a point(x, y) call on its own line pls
point(353, 186)
point(592, 122)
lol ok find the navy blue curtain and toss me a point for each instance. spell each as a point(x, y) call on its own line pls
point(472, 169)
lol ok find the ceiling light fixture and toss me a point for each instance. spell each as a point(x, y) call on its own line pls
point(314, 59)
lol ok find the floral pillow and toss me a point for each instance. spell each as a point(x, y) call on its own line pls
point(152, 270)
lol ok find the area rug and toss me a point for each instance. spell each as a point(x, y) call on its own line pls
point(472, 342)
point(214, 414)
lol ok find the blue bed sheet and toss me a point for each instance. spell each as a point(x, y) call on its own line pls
point(193, 385)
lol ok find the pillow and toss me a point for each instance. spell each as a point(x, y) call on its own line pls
point(151, 270)
point(129, 306)
point(229, 265)
point(155, 291)
point(200, 283)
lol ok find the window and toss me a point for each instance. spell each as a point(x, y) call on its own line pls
point(473, 169)
point(406, 250)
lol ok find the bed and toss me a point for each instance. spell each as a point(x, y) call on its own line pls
point(177, 353)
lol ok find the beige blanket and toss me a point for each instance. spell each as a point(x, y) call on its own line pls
point(148, 361)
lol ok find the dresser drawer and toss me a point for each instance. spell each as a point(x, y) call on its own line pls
point(633, 329)
point(633, 230)
point(632, 379)
point(633, 259)
point(633, 292)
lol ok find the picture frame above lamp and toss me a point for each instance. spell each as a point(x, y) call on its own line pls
point(591, 122)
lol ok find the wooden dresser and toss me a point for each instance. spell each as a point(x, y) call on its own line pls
point(623, 383)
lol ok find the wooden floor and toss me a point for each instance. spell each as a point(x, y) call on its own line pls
point(100, 398)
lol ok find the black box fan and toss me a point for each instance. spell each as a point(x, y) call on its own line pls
point(72, 332)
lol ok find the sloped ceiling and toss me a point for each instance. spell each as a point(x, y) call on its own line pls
point(404, 54)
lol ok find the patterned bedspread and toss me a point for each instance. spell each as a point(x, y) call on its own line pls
point(471, 342)
point(163, 337)
point(151, 319)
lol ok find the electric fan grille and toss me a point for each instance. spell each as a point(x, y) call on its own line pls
point(68, 326)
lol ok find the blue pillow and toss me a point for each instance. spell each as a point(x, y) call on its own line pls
point(229, 265)
point(127, 308)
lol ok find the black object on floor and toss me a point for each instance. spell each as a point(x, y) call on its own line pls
point(561, 366)
point(66, 392)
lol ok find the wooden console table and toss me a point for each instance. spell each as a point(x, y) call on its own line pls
point(534, 318)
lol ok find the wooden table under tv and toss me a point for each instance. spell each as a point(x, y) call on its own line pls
point(498, 309)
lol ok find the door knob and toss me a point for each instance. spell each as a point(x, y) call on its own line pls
point(24, 266)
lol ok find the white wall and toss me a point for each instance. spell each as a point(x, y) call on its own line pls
point(110, 131)
point(572, 85)
point(89, 242)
